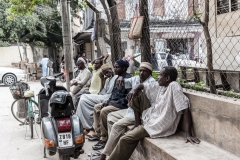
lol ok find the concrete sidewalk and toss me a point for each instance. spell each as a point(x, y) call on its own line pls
point(15, 142)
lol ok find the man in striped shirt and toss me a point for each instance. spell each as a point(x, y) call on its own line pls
point(160, 105)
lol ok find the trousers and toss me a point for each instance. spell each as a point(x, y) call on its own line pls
point(129, 141)
point(100, 120)
point(116, 129)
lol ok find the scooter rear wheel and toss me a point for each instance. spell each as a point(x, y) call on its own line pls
point(64, 157)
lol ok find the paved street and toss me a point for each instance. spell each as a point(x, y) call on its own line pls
point(15, 140)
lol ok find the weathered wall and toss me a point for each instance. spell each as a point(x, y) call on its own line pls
point(11, 54)
point(216, 120)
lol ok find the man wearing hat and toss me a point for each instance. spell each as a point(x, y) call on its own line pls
point(88, 101)
point(119, 120)
point(117, 101)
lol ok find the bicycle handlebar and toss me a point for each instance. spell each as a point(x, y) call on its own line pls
point(58, 75)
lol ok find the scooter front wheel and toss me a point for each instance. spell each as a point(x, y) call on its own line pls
point(64, 157)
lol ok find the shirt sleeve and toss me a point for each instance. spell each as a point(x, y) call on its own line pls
point(151, 90)
point(128, 82)
point(84, 80)
point(180, 101)
point(104, 90)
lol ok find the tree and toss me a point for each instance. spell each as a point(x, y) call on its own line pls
point(41, 25)
point(204, 23)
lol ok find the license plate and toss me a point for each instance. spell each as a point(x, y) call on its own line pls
point(65, 139)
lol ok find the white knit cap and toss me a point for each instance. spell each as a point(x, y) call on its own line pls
point(146, 65)
point(83, 60)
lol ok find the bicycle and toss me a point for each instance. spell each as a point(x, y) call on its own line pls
point(24, 98)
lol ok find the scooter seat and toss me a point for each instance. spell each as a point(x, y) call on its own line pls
point(28, 94)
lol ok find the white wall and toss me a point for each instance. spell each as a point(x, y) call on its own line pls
point(11, 55)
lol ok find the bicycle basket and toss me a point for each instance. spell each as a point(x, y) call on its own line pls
point(18, 89)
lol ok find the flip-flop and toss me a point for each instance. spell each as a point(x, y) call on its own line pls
point(97, 153)
point(96, 158)
point(93, 138)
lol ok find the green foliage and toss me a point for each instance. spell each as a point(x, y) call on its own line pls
point(232, 94)
point(179, 80)
point(198, 86)
point(155, 75)
point(4, 44)
point(38, 43)
point(196, 16)
point(82, 5)
point(23, 7)
point(43, 24)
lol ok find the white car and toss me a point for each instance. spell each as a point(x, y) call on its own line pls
point(9, 76)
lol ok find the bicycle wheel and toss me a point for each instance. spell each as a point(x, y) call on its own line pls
point(19, 110)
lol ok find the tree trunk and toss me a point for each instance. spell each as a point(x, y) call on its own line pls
point(116, 39)
point(209, 49)
point(110, 29)
point(24, 45)
point(145, 40)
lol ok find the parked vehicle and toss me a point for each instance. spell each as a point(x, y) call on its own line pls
point(10, 76)
point(61, 129)
point(161, 59)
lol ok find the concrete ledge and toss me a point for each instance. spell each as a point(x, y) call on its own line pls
point(216, 120)
point(175, 148)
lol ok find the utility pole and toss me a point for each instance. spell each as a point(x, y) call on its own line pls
point(145, 40)
point(67, 40)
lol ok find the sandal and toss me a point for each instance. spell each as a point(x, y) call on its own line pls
point(93, 138)
point(100, 145)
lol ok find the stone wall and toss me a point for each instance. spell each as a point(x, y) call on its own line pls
point(216, 120)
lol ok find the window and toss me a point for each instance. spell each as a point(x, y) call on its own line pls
point(225, 6)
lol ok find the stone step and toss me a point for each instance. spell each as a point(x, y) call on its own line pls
point(175, 148)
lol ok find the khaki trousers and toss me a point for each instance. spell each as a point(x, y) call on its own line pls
point(129, 141)
point(100, 120)
point(117, 130)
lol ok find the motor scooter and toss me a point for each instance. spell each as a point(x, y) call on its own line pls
point(61, 129)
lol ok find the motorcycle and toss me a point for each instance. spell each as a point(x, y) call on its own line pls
point(61, 129)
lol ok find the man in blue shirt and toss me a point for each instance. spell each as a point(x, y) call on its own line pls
point(116, 102)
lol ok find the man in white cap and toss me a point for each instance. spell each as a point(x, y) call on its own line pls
point(119, 120)
point(82, 82)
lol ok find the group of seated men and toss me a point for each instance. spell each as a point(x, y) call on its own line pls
point(110, 101)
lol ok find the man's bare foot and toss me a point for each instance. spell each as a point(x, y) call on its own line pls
point(102, 157)
point(91, 133)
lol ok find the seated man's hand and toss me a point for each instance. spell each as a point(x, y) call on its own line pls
point(135, 125)
point(192, 139)
point(112, 102)
point(104, 105)
point(120, 81)
point(131, 95)
point(101, 75)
